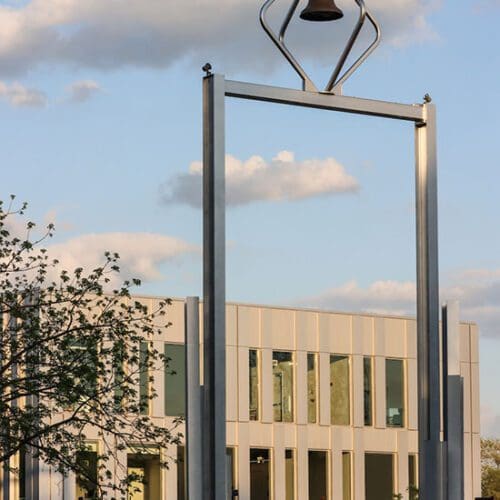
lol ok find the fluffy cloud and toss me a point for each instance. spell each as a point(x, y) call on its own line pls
point(141, 254)
point(83, 90)
point(382, 297)
point(156, 33)
point(478, 292)
point(281, 179)
point(20, 96)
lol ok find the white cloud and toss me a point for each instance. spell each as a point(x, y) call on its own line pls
point(156, 33)
point(382, 297)
point(83, 90)
point(20, 96)
point(281, 179)
point(141, 254)
point(478, 292)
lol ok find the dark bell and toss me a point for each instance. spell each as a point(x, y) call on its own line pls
point(321, 10)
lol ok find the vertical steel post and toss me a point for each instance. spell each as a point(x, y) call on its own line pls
point(453, 402)
point(194, 430)
point(214, 289)
point(431, 456)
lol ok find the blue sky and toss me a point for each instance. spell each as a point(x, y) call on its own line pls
point(101, 133)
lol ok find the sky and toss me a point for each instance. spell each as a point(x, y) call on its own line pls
point(101, 134)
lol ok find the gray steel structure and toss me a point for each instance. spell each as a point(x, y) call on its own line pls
point(194, 391)
point(214, 290)
point(453, 397)
point(215, 89)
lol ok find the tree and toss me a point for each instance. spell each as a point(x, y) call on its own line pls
point(490, 468)
point(71, 357)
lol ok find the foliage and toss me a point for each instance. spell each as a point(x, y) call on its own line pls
point(70, 356)
point(412, 493)
point(490, 468)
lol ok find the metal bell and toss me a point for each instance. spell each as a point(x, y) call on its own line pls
point(321, 10)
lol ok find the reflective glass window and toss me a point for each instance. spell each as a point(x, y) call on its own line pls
point(312, 388)
point(340, 410)
point(283, 386)
point(253, 390)
point(395, 392)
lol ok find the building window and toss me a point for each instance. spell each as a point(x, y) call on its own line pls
point(181, 473)
point(283, 386)
point(340, 411)
point(318, 475)
point(83, 356)
point(289, 475)
point(144, 473)
point(346, 476)
point(22, 473)
point(86, 475)
point(260, 474)
point(312, 388)
point(175, 377)
point(412, 478)
point(395, 392)
point(119, 355)
point(367, 390)
point(230, 474)
point(253, 377)
point(144, 388)
point(379, 476)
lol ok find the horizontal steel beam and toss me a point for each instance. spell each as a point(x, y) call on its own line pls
point(323, 100)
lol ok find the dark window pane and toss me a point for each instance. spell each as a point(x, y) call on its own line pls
point(86, 478)
point(289, 475)
point(367, 387)
point(379, 480)
point(175, 377)
point(230, 473)
point(346, 476)
point(318, 475)
point(181, 473)
point(395, 393)
point(260, 474)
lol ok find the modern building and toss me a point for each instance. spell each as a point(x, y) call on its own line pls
point(320, 405)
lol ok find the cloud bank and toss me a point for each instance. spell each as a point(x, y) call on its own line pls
point(141, 254)
point(110, 34)
point(18, 95)
point(477, 290)
point(281, 179)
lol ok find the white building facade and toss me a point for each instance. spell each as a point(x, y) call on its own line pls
point(320, 406)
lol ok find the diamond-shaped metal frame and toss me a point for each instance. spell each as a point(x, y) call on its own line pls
point(334, 85)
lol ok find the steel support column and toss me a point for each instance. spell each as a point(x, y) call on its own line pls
point(431, 449)
point(194, 425)
point(453, 398)
point(214, 289)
